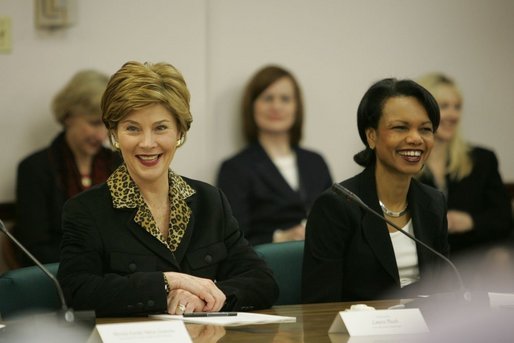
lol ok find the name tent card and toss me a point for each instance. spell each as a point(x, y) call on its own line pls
point(379, 322)
point(501, 300)
point(147, 331)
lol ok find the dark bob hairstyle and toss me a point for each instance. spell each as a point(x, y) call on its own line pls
point(372, 104)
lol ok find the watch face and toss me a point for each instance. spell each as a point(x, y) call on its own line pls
point(166, 285)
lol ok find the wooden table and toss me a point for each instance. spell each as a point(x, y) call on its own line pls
point(312, 323)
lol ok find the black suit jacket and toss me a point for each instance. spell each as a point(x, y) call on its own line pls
point(349, 255)
point(261, 198)
point(112, 265)
point(482, 194)
point(40, 197)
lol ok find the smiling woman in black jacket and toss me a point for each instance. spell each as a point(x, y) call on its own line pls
point(149, 240)
point(75, 160)
point(351, 255)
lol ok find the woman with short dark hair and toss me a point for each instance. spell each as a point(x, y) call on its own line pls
point(351, 255)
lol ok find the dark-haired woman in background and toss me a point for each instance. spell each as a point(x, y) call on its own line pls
point(272, 183)
point(352, 255)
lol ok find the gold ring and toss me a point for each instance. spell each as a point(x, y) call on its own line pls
point(181, 308)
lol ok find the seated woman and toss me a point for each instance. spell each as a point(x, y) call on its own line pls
point(272, 183)
point(75, 160)
point(350, 254)
point(149, 240)
point(479, 207)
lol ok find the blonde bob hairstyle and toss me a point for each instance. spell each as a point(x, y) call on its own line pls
point(82, 94)
point(137, 85)
point(460, 163)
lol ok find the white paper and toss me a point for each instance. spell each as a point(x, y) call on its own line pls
point(501, 300)
point(379, 322)
point(242, 318)
point(147, 331)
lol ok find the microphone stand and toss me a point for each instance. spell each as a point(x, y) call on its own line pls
point(349, 195)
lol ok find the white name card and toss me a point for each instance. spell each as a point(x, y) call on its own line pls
point(379, 322)
point(501, 300)
point(147, 331)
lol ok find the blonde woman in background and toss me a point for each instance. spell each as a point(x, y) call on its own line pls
point(75, 160)
point(479, 208)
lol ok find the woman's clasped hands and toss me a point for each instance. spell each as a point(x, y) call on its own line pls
point(192, 294)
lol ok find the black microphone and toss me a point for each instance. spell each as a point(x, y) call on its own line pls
point(340, 190)
point(68, 314)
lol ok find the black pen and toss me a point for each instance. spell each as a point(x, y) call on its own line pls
point(209, 314)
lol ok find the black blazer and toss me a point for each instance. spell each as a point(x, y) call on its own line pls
point(349, 255)
point(261, 198)
point(112, 265)
point(483, 195)
point(40, 197)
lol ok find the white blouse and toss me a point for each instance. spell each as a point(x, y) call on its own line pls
point(406, 255)
point(289, 170)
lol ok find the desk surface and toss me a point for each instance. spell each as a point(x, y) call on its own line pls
point(312, 323)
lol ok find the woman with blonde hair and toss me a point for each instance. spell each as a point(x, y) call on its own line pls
point(479, 208)
point(149, 240)
point(75, 160)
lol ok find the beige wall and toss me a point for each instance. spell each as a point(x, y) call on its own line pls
point(337, 48)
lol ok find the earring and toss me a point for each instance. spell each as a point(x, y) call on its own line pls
point(180, 142)
point(116, 145)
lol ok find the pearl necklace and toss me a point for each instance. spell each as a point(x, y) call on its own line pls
point(86, 181)
point(393, 214)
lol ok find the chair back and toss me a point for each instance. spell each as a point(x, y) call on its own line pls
point(28, 290)
point(285, 260)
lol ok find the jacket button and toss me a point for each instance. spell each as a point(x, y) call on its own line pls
point(132, 267)
point(208, 258)
point(150, 303)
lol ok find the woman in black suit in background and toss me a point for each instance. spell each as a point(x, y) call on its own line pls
point(479, 207)
point(272, 183)
point(74, 161)
point(149, 240)
point(351, 255)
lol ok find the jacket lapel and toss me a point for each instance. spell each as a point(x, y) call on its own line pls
point(148, 240)
point(302, 164)
point(423, 222)
point(374, 229)
point(270, 174)
point(186, 239)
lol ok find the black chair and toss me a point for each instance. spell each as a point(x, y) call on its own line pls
point(285, 260)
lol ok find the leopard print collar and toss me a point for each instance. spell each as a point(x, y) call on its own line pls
point(125, 194)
